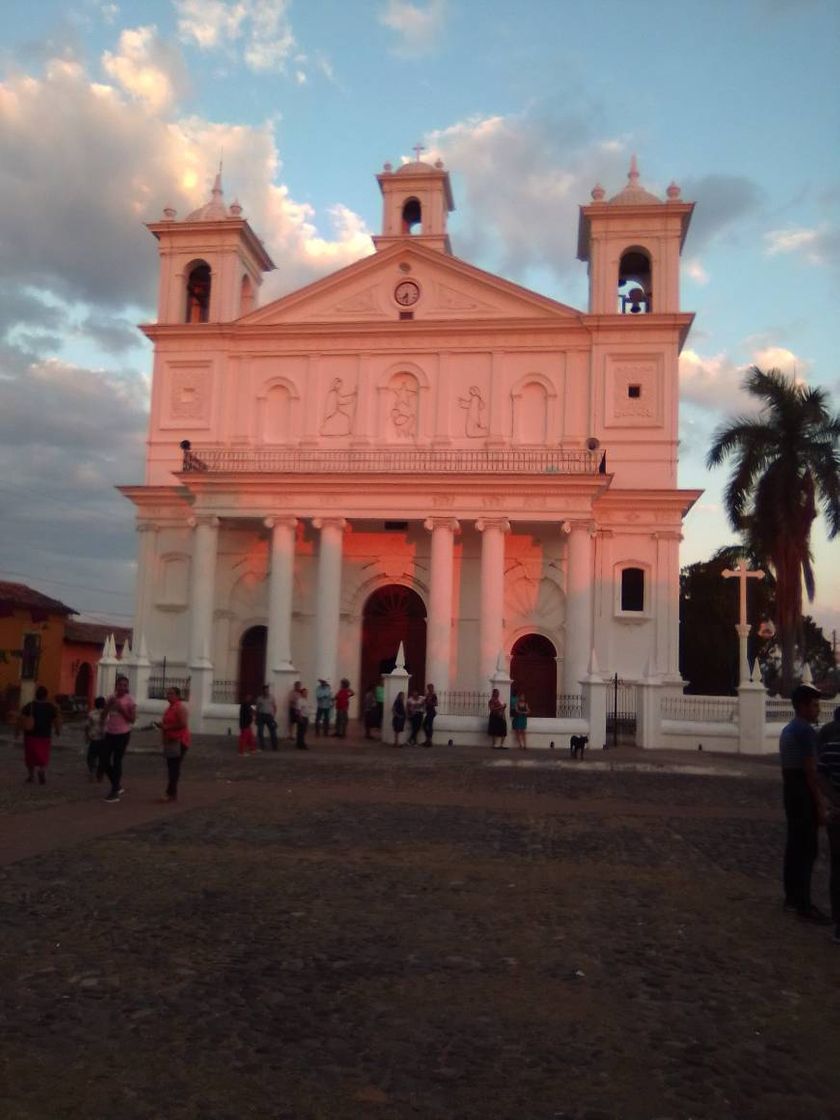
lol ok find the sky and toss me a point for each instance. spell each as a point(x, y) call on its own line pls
point(111, 111)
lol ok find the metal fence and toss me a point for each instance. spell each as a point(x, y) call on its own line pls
point(225, 692)
point(398, 460)
point(160, 682)
point(569, 706)
point(463, 703)
point(701, 709)
point(780, 710)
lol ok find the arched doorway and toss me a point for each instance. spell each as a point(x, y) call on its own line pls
point(391, 615)
point(533, 667)
point(252, 661)
point(82, 685)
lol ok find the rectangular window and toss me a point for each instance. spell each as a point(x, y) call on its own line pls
point(30, 657)
point(634, 392)
point(632, 589)
point(406, 314)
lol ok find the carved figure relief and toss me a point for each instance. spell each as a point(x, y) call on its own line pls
point(475, 406)
point(403, 413)
point(338, 410)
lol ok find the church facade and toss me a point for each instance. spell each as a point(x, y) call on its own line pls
point(413, 450)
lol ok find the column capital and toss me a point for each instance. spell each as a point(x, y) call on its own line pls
point(208, 519)
point(500, 523)
point(281, 522)
point(146, 526)
point(667, 535)
point(432, 523)
point(579, 525)
point(329, 523)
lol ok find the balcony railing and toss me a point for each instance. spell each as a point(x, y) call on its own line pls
point(397, 460)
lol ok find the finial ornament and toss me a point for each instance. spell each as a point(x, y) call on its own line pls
point(169, 213)
point(598, 193)
point(439, 164)
point(235, 209)
point(633, 173)
point(388, 167)
point(673, 191)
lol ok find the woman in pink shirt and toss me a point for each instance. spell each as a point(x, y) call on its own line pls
point(120, 714)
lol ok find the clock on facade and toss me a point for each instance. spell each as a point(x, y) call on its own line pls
point(406, 293)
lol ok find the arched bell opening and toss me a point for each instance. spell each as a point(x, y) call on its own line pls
point(198, 293)
point(412, 216)
point(635, 283)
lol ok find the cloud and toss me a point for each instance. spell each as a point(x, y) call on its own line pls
point(417, 27)
point(714, 382)
point(524, 177)
point(146, 67)
point(817, 246)
point(722, 202)
point(695, 271)
point(262, 27)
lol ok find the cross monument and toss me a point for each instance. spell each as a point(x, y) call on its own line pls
point(742, 573)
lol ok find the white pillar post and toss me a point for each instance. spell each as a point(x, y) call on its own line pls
point(439, 630)
point(146, 563)
point(579, 583)
point(491, 622)
point(328, 595)
point(202, 591)
point(280, 671)
point(395, 682)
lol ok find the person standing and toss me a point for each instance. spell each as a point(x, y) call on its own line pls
point(369, 705)
point(414, 713)
point(323, 707)
point(266, 718)
point(247, 742)
point(430, 703)
point(292, 704)
point(398, 717)
point(497, 721)
point(120, 716)
point(828, 775)
point(38, 720)
point(342, 708)
point(803, 802)
point(95, 737)
point(379, 694)
point(302, 721)
point(175, 733)
point(519, 720)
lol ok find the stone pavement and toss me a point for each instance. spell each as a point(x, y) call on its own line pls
point(363, 932)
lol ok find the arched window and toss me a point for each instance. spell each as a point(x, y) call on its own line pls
point(412, 216)
point(198, 293)
point(632, 589)
point(635, 283)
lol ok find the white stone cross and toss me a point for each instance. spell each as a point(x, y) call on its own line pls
point(742, 573)
point(417, 149)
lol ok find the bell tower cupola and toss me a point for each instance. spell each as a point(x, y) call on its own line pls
point(211, 263)
point(416, 201)
point(632, 243)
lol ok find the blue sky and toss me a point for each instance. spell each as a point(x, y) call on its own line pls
point(110, 111)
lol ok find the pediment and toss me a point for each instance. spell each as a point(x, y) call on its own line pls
point(449, 290)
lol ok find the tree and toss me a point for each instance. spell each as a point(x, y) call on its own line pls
point(786, 467)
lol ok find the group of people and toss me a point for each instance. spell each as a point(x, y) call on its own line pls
point(261, 711)
point(417, 711)
point(810, 762)
point(497, 726)
point(108, 729)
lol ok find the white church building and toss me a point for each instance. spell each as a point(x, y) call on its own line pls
point(413, 450)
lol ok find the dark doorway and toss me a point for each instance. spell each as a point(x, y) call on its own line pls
point(82, 687)
point(393, 614)
point(533, 667)
point(252, 662)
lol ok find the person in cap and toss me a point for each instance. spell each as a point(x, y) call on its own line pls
point(803, 802)
point(828, 775)
point(323, 707)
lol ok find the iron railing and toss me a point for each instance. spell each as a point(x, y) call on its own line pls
point(159, 683)
point(456, 703)
point(569, 706)
point(225, 692)
point(397, 460)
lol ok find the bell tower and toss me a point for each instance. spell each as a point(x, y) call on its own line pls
point(211, 263)
point(632, 243)
point(416, 201)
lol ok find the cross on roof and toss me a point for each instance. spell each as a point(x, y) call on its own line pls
point(417, 149)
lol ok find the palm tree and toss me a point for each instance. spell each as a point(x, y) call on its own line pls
point(786, 467)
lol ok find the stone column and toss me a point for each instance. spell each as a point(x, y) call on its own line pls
point(280, 671)
point(579, 582)
point(491, 621)
point(664, 604)
point(328, 596)
point(146, 556)
point(201, 605)
point(439, 629)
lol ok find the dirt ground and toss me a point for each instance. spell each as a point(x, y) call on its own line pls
point(363, 932)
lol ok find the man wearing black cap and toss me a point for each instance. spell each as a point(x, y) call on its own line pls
point(828, 773)
point(803, 802)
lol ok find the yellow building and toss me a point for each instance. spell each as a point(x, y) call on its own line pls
point(31, 642)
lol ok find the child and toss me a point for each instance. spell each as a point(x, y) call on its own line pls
point(95, 737)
